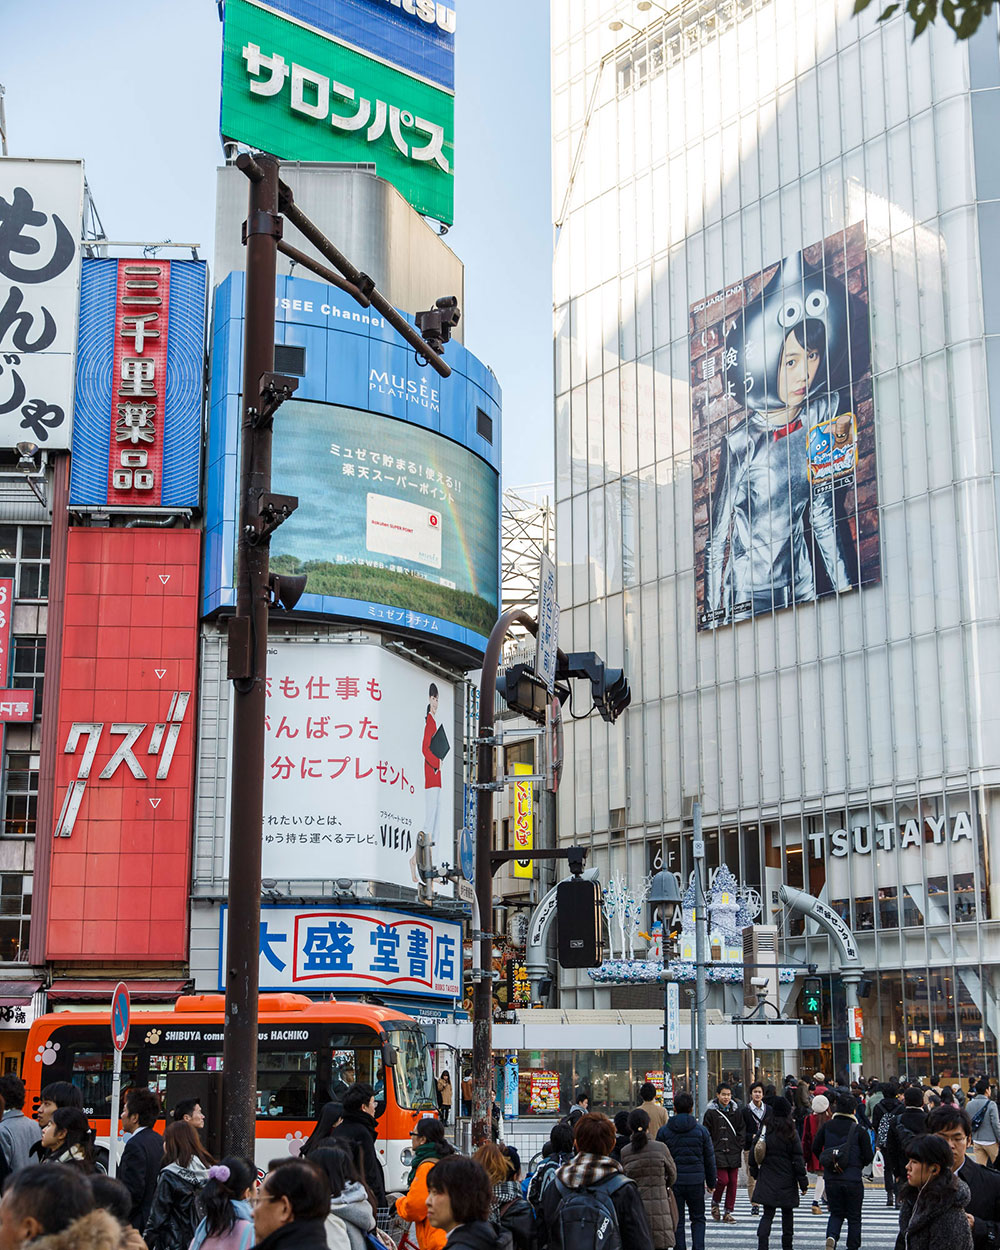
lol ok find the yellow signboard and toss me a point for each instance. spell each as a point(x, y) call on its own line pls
point(524, 821)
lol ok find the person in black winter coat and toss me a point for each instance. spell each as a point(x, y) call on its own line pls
point(176, 1210)
point(724, 1120)
point(140, 1162)
point(360, 1128)
point(909, 1123)
point(691, 1147)
point(891, 1105)
point(459, 1195)
point(953, 1124)
point(593, 1167)
point(845, 1190)
point(932, 1213)
point(780, 1177)
point(292, 1206)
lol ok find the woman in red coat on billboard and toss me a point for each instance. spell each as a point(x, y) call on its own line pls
point(432, 768)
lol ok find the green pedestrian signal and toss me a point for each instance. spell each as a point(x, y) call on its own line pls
point(812, 996)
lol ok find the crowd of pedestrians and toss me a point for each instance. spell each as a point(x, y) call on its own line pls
point(647, 1180)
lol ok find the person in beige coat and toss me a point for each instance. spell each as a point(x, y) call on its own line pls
point(650, 1164)
point(656, 1111)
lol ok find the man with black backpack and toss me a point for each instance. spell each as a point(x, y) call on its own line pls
point(882, 1121)
point(590, 1204)
point(843, 1148)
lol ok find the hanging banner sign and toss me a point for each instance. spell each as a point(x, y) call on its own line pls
point(524, 821)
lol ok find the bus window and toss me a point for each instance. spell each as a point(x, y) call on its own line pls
point(91, 1074)
point(188, 1061)
point(412, 1073)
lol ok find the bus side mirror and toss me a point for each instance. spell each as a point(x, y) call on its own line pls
point(389, 1055)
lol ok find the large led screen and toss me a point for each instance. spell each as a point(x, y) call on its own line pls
point(785, 486)
point(395, 523)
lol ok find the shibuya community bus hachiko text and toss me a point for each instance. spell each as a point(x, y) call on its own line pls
point(785, 489)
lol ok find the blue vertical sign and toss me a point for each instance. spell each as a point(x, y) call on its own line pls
point(673, 1019)
point(510, 1082)
point(467, 840)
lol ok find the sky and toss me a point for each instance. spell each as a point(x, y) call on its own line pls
point(134, 91)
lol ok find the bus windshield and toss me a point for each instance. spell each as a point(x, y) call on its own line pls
point(412, 1073)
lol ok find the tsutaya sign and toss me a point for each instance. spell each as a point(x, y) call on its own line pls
point(862, 839)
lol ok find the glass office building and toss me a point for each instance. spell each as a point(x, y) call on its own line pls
point(777, 310)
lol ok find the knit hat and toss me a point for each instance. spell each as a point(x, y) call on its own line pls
point(781, 1108)
point(820, 1103)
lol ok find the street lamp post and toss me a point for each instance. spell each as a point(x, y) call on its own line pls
point(664, 890)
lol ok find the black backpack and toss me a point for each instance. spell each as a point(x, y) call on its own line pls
point(980, 1115)
point(836, 1159)
point(586, 1218)
point(518, 1218)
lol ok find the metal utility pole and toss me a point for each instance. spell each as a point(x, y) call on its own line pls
point(248, 669)
point(261, 512)
point(482, 995)
point(700, 954)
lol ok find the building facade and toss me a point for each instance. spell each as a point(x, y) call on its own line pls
point(801, 576)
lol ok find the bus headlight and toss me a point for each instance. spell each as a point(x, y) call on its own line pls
point(406, 1156)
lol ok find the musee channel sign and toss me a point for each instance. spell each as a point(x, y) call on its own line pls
point(296, 91)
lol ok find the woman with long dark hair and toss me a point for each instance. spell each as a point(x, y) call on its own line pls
point(350, 1212)
point(932, 1210)
point(329, 1117)
point(651, 1165)
point(225, 1199)
point(779, 1168)
point(429, 1145)
point(68, 1138)
point(174, 1215)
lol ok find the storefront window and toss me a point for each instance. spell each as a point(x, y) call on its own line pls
point(938, 910)
point(888, 907)
point(964, 897)
point(864, 913)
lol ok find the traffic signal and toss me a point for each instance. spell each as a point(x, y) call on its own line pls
point(578, 922)
point(608, 686)
point(812, 996)
point(523, 692)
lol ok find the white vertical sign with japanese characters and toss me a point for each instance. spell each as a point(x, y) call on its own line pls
point(547, 641)
point(355, 949)
point(41, 221)
point(359, 758)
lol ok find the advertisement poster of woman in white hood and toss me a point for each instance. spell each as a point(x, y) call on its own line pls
point(784, 450)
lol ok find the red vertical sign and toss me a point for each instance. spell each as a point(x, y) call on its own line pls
point(138, 389)
point(121, 851)
point(6, 612)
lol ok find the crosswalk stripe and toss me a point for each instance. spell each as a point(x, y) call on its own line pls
point(879, 1225)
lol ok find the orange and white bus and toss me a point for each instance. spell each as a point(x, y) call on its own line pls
point(308, 1052)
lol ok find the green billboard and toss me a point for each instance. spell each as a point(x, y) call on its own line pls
point(301, 95)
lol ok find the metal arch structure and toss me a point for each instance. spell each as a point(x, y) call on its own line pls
point(527, 529)
point(851, 967)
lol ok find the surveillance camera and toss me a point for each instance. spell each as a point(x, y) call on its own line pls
point(437, 323)
point(759, 981)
